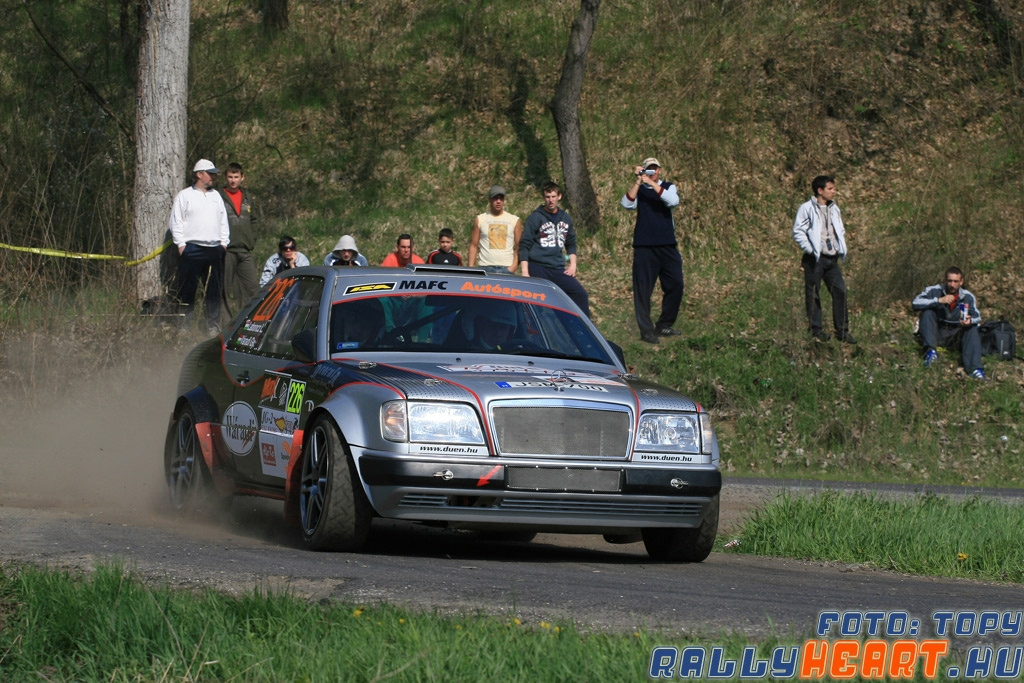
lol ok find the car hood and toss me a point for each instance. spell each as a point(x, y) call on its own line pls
point(518, 378)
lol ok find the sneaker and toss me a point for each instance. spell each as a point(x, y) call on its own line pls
point(930, 357)
point(846, 337)
point(979, 374)
point(669, 332)
point(820, 336)
point(649, 337)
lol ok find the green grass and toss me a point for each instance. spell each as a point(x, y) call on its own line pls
point(927, 534)
point(108, 626)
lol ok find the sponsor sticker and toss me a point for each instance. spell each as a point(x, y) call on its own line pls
point(445, 449)
point(239, 428)
point(550, 385)
point(277, 431)
point(560, 376)
point(510, 292)
point(376, 287)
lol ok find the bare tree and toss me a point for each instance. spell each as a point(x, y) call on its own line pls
point(160, 130)
point(565, 109)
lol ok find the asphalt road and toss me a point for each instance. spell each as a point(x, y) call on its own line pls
point(556, 577)
point(81, 483)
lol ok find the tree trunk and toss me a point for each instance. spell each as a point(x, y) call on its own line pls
point(275, 15)
point(579, 189)
point(160, 132)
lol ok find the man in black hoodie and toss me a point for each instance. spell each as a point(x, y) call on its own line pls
point(548, 236)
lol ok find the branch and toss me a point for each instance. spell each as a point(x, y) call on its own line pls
point(81, 79)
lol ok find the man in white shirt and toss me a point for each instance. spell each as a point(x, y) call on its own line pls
point(199, 228)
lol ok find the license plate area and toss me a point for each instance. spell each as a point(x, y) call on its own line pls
point(579, 479)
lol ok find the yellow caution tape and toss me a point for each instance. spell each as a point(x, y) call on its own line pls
point(78, 255)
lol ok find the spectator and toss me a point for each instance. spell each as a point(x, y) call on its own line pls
point(288, 256)
point(240, 279)
point(950, 318)
point(494, 240)
point(402, 255)
point(199, 229)
point(548, 240)
point(345, 254)
point(818, 231)
point(656, 257)
point(444, 255)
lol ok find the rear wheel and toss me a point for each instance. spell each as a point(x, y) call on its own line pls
point(333, 509)
point(188, 482)
point(684, 545)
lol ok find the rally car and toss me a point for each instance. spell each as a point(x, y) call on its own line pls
point(443, 395)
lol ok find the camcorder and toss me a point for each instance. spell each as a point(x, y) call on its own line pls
point(649, 172)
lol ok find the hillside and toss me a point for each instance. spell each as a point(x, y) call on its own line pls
point(379, 118)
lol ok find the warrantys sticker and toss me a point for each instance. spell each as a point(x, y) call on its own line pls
point(239, 428)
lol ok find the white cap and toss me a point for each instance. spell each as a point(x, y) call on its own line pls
point(205, 165)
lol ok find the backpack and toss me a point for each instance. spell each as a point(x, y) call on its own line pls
point(998, 338)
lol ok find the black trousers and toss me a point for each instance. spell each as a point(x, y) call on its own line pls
point(196, 264)
point(825, 269)
point(652, 265)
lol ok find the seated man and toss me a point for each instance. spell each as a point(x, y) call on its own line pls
point(950, 318)
point(485, 326)
point(356, 324)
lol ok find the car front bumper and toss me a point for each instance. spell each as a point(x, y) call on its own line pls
point(544, 495)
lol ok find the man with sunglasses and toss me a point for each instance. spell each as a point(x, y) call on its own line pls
point(287, 256)
point(199, 229)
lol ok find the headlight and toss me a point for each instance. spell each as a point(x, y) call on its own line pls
point(430, 423)
point(676, 432)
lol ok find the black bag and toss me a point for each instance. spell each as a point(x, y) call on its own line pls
point(998, 338)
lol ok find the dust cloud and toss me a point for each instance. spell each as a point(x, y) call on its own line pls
point(95, 447)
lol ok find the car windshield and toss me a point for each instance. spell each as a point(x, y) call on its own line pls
point(440, 323)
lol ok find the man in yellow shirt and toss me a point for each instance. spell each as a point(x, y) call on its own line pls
point(494, 241)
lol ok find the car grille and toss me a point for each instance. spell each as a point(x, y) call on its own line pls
point(561, 507)
point(562, 431)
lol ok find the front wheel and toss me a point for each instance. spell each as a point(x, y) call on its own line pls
point(333, 509)
point(684, 545)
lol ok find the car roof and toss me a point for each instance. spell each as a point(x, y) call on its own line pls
point(335, 275)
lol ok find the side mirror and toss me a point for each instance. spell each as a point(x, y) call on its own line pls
point(304, 345)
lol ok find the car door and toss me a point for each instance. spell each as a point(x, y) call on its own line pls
point(269, 400)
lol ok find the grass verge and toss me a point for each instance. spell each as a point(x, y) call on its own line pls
point(109, 626)
point(926, 534)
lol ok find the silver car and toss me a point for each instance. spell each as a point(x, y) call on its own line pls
point(442, 395)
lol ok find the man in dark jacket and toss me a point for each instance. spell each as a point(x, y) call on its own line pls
point(950, 318)
point(548, 237)
point(241, 281)
point(656, 257)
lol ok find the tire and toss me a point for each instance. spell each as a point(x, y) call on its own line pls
point(334, 513)
point(684, 545)
point(188, 482)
